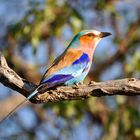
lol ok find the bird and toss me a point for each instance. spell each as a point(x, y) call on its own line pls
point(72, 66)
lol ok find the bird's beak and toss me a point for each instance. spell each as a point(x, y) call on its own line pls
point(104, 34)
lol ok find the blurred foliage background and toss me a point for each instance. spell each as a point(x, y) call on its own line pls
point(34, 32)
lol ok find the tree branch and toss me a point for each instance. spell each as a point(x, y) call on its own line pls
point(9, 78)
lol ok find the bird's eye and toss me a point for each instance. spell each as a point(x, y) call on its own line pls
point(90, 35)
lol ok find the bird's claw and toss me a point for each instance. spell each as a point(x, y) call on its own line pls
point(79, 83)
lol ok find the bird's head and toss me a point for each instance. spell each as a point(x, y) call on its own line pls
point(89, 38)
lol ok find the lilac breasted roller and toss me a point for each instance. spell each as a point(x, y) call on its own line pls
point(72, 65)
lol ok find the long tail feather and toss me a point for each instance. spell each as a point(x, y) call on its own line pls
point(11, 112)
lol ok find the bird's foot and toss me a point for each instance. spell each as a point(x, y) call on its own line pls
point(79, 83)
point(92, 82)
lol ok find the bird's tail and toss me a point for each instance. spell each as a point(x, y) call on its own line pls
point(11, 112)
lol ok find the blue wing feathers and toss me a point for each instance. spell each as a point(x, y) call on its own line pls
point(83, 59)
point(70, 72)
point(58, 78)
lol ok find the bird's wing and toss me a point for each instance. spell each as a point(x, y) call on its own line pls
point(72, 64)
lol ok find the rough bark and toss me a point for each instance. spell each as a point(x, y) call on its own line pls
point(9, 78)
